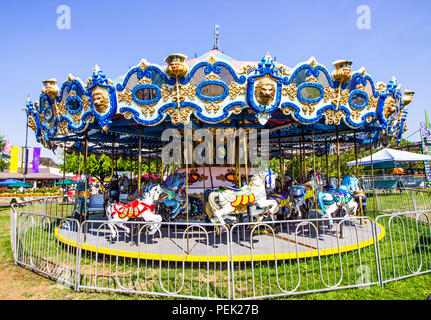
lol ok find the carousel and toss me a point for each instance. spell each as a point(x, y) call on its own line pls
point(263, 109)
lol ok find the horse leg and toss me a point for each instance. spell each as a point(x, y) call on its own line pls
point(329, 211)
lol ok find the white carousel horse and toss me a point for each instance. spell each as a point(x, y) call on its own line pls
point(331, 199)
point(229, 199)
point(143, 208)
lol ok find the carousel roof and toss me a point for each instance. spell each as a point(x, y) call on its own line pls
point(217, 91)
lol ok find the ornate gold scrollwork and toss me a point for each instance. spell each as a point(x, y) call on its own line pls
point(212, 77)
point(85, 102)
point(32, 123)
point(60, 108)
point(290, 91)
point(148, 110)
point(212, 107)
point(179, 115)
point(333, 116)
point(125, 96)
point(247, 69)
point(62, 126)
point(235, 90)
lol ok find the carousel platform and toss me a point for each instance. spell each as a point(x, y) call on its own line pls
point(197, 244)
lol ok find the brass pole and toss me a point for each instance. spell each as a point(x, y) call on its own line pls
point(139, 160)
point(281, 161)
point(187, 190)
point(338, 157)
point(64, 176)
point(86, 174)
point(372, 177)
point(315, 186)
point(327, 162)
point(357, 173)
point(304, 174)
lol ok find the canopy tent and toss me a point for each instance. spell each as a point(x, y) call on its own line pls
point(384, 165)
point(19, 185)
point(390, 155)
point(66, 182)
point(9, 181)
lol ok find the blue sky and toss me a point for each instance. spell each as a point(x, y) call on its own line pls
point(118, 34)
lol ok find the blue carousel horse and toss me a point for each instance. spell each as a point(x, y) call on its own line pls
point(302, 194)
point(81, 198)
point(171, 195)
point(333, 198)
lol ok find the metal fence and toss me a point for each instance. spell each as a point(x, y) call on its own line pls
point(248, 261)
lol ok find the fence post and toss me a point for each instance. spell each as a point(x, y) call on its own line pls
point(414, 200)
point(78, 258)
point(377, 250)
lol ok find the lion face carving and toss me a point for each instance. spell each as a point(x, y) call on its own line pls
point(100, 100)
point(264, 92)
point(389, 107)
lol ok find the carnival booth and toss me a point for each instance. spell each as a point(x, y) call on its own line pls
point(261, 107)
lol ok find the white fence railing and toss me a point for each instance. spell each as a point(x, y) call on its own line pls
point(248, 261)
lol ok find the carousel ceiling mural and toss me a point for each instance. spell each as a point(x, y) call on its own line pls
point(216, 90)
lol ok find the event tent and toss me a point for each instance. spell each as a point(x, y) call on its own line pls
point(9, 181)
point(391, 155)
point(19, 185)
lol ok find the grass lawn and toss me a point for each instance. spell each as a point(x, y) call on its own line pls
point(19, 283)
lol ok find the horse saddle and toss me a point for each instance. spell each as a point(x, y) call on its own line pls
point(340, 195)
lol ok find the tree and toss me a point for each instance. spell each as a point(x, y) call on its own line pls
point(100, 167)
point(4, 158)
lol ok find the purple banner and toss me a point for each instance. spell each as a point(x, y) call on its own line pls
point(36, 160)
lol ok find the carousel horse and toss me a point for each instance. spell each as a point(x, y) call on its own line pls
point(302, 194)
point(144, 208)
point(283, 199)
point(232, 198)
point(171, 195)
point(332, 199)
point(81, 197)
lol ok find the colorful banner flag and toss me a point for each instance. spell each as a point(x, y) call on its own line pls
point(14, 160)
point(7, 148)
point(36, 160)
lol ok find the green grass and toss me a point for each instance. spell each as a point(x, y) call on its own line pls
point(414, 288)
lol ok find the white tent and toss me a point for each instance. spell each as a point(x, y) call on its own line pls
point(391, 155)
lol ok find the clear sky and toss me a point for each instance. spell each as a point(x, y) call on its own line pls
point(118, 34)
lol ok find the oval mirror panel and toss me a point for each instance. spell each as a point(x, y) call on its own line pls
point(212, 90)
point(310, 92)
point(358, 99)
point(73, 105)
point(146, 94)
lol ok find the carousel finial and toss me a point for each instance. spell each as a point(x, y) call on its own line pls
point(216, 36)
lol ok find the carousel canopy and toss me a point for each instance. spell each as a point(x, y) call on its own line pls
point(217, 91)
point(391, 155)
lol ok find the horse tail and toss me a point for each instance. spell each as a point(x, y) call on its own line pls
point(320, 197)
